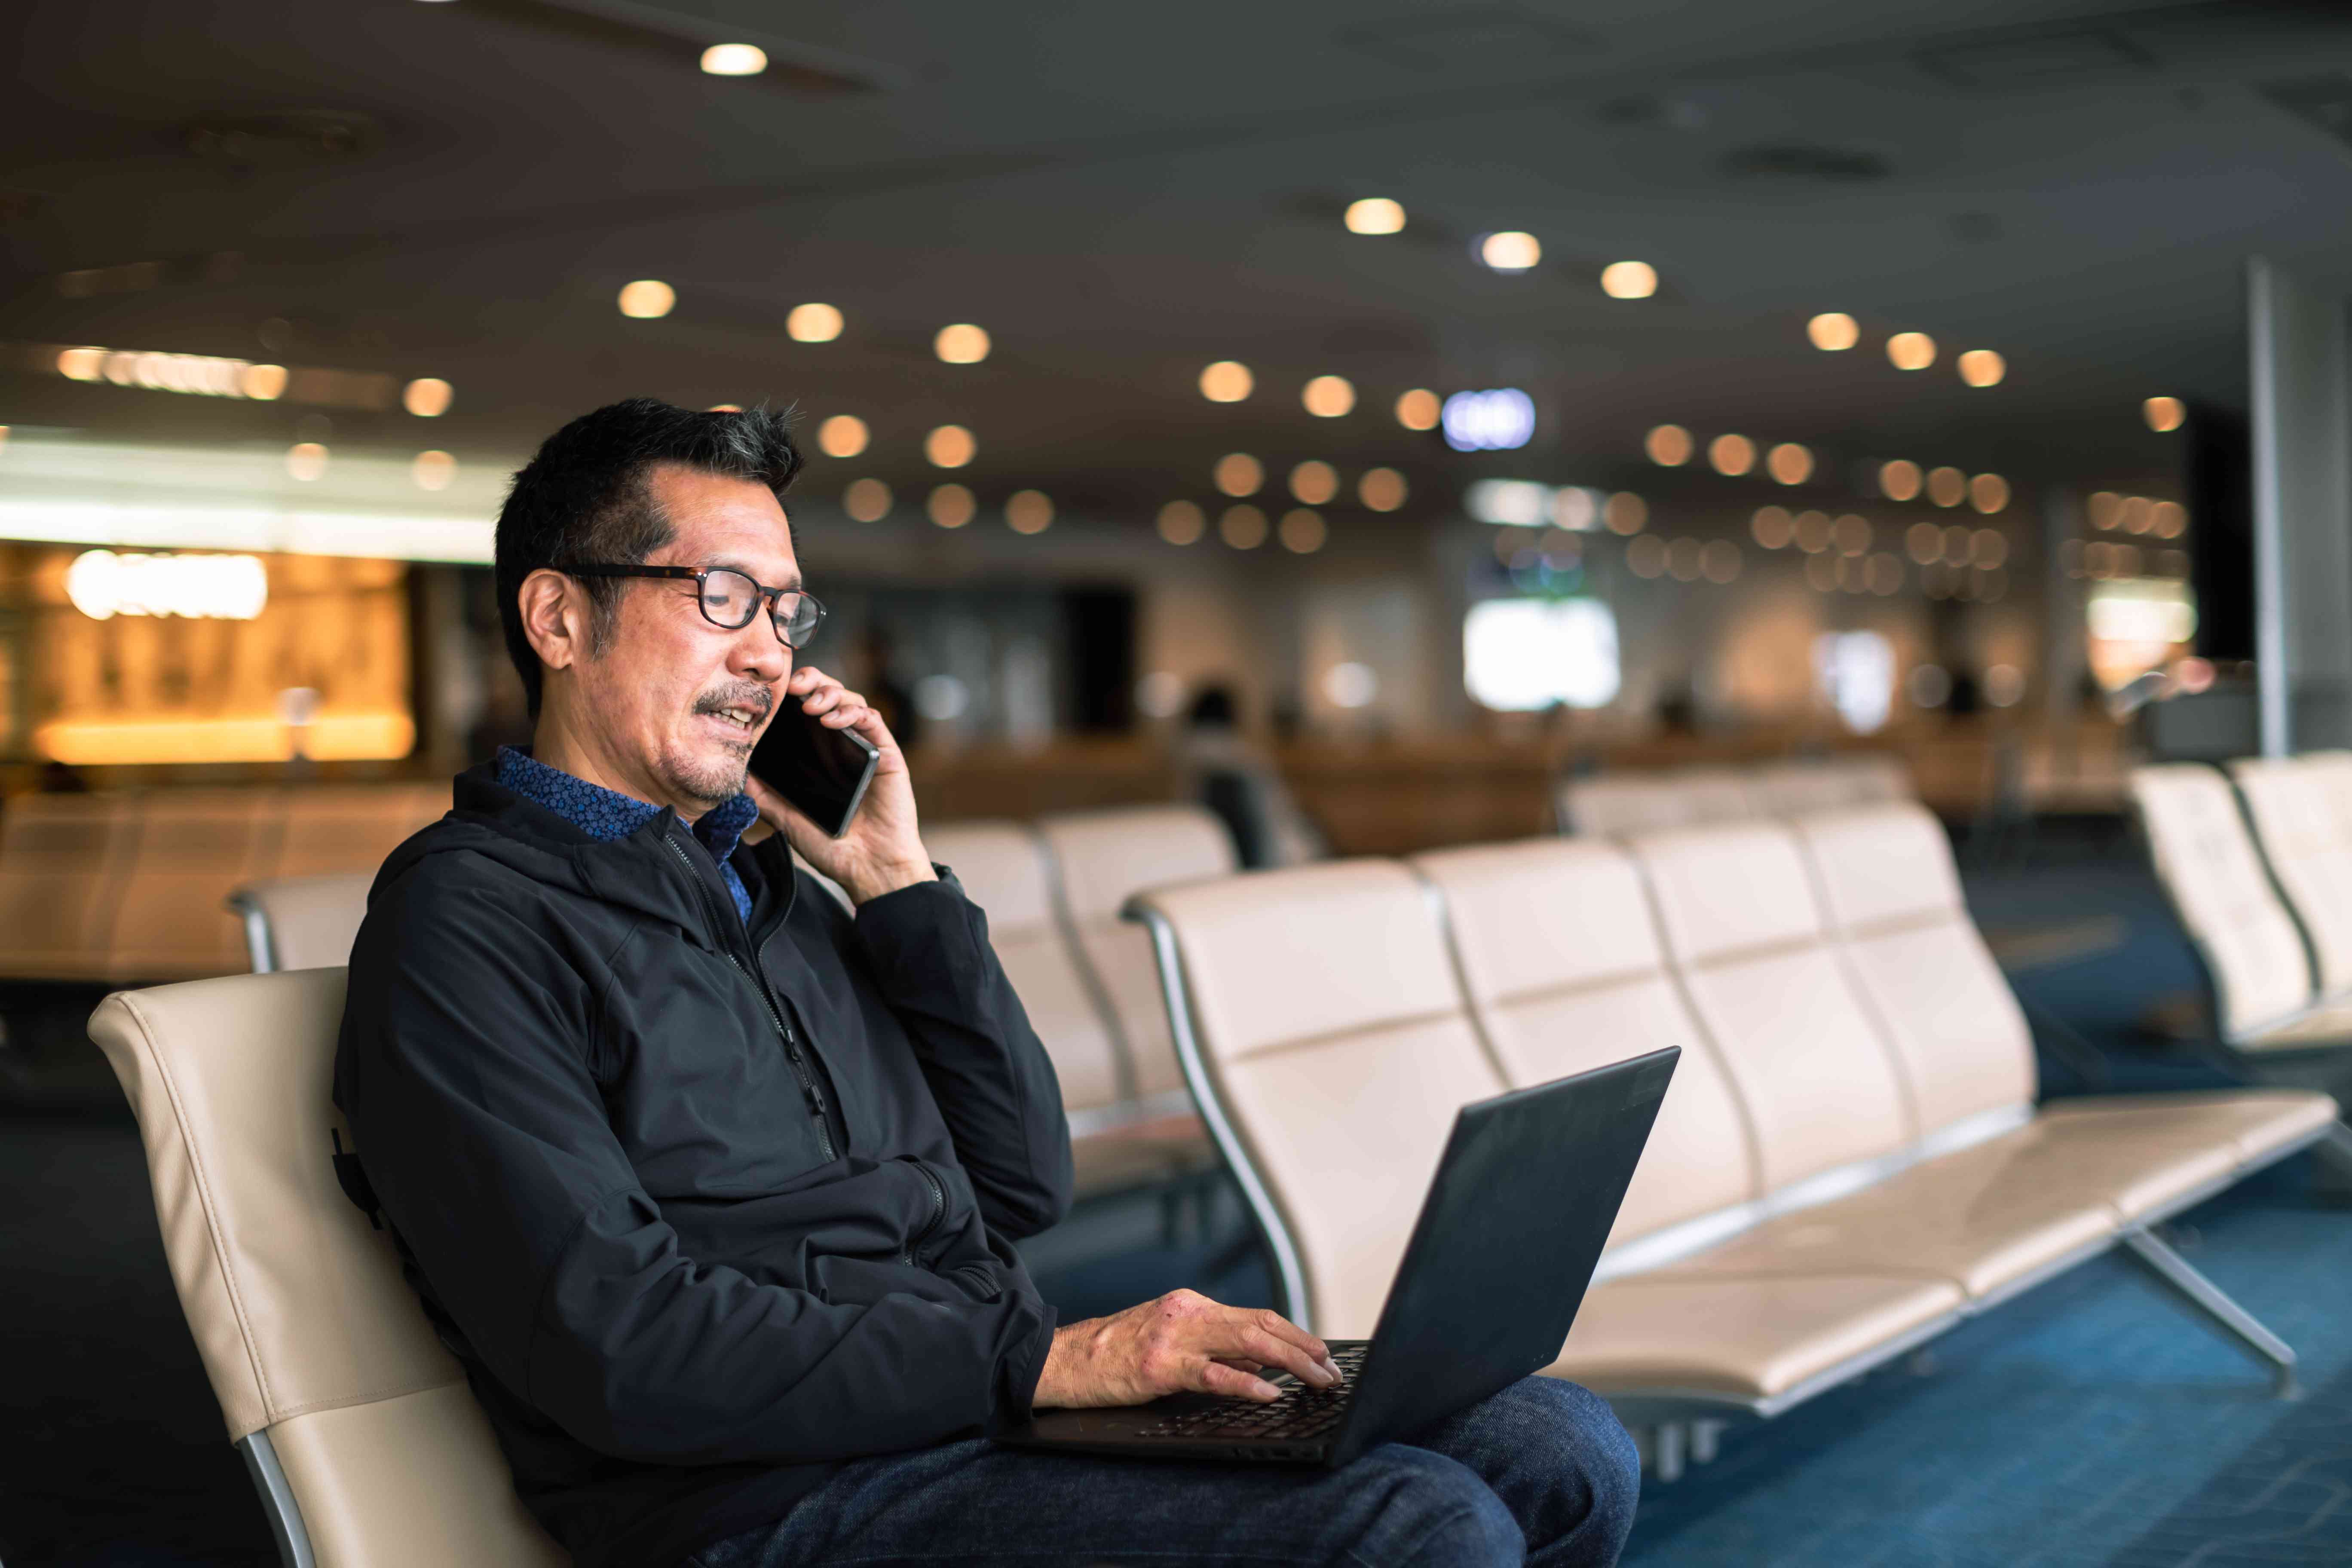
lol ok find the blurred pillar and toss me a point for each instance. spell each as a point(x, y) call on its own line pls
point(2303, 510)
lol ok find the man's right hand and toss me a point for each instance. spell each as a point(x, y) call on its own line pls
point(1182, 1342)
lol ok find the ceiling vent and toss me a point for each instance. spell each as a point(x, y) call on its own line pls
point(1806, 162)
point(2052, 59)
point(1476, 38)
point(2324, 101)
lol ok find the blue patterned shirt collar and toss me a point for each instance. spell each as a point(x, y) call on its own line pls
point(606, 814)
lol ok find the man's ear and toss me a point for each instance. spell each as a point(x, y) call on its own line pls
point(555, 612)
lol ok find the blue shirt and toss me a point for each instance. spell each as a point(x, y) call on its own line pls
point(605, 814)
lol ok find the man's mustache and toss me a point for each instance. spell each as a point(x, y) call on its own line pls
point(758, 699)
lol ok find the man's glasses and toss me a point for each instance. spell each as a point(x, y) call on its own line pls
point(730, 598)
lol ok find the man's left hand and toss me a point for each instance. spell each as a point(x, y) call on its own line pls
point(882, 851)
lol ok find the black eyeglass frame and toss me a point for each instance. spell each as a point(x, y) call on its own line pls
point(775, 598)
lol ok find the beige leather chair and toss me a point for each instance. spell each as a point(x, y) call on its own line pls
point(357, 1426)
point(62, 862)
point(301, 922)
point(2308, 843)
point(193, 848)
point(1318, 1016)
point(1615, 804)
point(2265, 996)
point(1101, 859)
point(1792, 789)
point(1002, 870)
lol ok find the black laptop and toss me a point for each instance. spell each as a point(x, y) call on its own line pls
point(1499, 1263)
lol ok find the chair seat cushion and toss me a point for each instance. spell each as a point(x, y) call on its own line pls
point(1982, 1217)
point(2251, 1122)
point(2329, 1024)
point(1741, 1339)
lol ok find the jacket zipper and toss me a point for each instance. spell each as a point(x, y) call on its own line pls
point(939, 1211)
point(809, 1089)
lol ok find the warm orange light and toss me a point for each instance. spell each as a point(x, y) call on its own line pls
point(2163, 413)
point(1772, 527)
point(1028, 511)
point(1227, 381)
point(1834, 330)
point(646, 298)
point(1732, 455)
point(1419, 409)
point(1303, 531)
point(1381, 490)
point(1624, 512)
point(1911, 350)
point(1947, 487)
point(1243, 527)
point(1328, 396)
point(1646, 556)
point(1669, 446)
point(1314, 482)
point(329, 737)
point(1851, 534)
point(2106, 509)
point(433, 470)
point(81, 364)
point(1788, 463)
point(734, 59)
point(951, 506)
point(866, 500)
point(1374, 215)
point(1900, 479)
point(1181, 522)
point(949, 447)
point(1239, 474)
point(961, 343)
point(427, 396)
point(1719, 562)
point(843, 436)
point(2171, 519)
point(263, 383)
point(1988, 494)
point(306, 460)
point(1982, 367)
point(813, 323)
point(1987, 547)
point(1924, 541)
point(1510, 250)
point(1629, 281)
point(1813, 532)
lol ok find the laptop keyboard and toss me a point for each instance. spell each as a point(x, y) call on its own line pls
point(1301, 1412)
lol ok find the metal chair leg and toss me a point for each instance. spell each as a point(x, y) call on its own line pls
point(1671, 1445)
point(2208, 1298)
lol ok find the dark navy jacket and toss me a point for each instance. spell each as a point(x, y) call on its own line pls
point(701, 1208)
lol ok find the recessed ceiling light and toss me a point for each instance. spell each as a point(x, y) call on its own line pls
point(1900, 479)
point(647, 298)
point(961, 343)
point(433, 470)
point(1381, 490)
point(1947, 487)
point(813, 323)
point(843, 436)
point(1181, 522)
point(1732, 455)
point(1419, 409)
point(868, 501)
point(1328, 396)
point(1239, 474)
point(1243, 527)
point(1303, 531)
point(1314, 482)
point(1629, 280)
point(1510, 250)
point(949, 447)
point(306, 460)
point(2163, 413)
point(1911, 350)
point(1028, 511)
point(1833, 330)
point(1988, 494)
point(1374, 215)
point(1624, 512)
point(1227, 381)
point(1982, 367)
point(951, 506)
point(1669, 446)
point(427, 398)
point(1789, 463)
point(734, 59)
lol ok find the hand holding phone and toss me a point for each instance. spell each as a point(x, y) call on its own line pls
point(821, 770)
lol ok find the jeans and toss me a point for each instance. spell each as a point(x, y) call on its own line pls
point(1541, 1473)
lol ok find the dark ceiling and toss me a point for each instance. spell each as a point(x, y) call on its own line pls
point(1121, 194)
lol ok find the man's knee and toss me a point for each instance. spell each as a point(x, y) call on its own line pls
point(1413, 1507)
point(1558, 1457)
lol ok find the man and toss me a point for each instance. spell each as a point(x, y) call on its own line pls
point(712, 1187)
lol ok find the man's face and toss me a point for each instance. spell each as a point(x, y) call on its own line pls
point(670, 695)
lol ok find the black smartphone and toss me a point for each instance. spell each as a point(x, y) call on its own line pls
point(823, 772)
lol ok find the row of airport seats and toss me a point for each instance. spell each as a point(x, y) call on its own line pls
point(1612, 805)
point(132, 887)
point(2257, 861)
point(1849, 1162)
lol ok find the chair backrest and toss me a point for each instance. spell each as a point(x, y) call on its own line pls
point(62, 859)
point(1003, 871)
point(2308, 843)
point(1101, 859)
point(1329, 1023)
point(194, 847)
point(2210, 867)
point(334, 828)
point(1617, 805)
point(1746, 934)
point(1892, 900)
point(1789, 789)
point(318, 1352)
point(1873, 776)
point(301, 922)
point(1559, 953)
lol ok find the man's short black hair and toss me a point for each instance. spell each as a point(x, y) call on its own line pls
point(583, 500)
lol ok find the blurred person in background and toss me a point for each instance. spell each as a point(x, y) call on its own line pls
point(711, 1185)
point(1239, 782)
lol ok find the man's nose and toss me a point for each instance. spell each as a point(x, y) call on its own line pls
point(759, 652)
